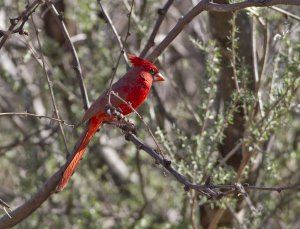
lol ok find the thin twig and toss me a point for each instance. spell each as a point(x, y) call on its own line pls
point(35, 115)
point(289, 14)
point(77, 67)
point(121, 52)
point(141, 177)
point(3, 203)
point(254, 47)
point(181, 23)
point(162, 108)
point(14, 22)
point(134, 17)
point(265, 54)
point(113, 28)
point(210, 6)
point(263, 68)
point(49, 82)
point(5, 206)
point(66, 91)
point(233, 52)
point(277, 102)
point(231, 153)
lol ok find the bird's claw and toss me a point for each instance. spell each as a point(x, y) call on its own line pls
point(128, 126)
point(115, 112)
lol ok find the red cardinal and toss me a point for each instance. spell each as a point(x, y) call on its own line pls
point(133, 87)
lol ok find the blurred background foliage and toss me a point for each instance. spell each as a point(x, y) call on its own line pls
point(229, 109)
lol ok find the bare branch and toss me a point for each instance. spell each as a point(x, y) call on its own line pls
point(113, 28)
point(122, 51)
point(206, 5)
point(182, 22)
point(77, 67)
point(35, 115)
point(284, 12)
point(4, 206)
point(29, 206)
point(161, 16)
point(208, 188)
point(15, 21)
point(49, 82)
point(249, 3)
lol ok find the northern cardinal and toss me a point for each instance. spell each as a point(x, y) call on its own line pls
point(133, 87)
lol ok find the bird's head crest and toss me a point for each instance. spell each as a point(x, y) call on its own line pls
point(137, 61)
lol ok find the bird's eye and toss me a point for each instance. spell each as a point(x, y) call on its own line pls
point(152, 72)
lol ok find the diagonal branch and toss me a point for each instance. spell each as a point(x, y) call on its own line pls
point(77, 67)
point(29, 206)
point(206, 5)
point(161, 16)
point(15, 21)
point(49, 82)
point(208, 188)
point(113, 28)
point(122, 48)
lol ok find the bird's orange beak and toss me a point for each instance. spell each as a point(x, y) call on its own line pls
point(159, 77)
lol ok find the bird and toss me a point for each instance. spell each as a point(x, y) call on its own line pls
point(133, 87)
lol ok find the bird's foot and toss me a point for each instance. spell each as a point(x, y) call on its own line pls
point(128, 126)
point(114, 113)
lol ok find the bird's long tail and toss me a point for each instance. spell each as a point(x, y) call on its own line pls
point(87, 135)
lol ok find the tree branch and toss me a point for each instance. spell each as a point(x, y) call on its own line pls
point(206, 5)
point(161, 16)
point(14, 22)
point(207, 189)
point(77, 67)
point(35, 115)
point(113, 28)
point(29, 206)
